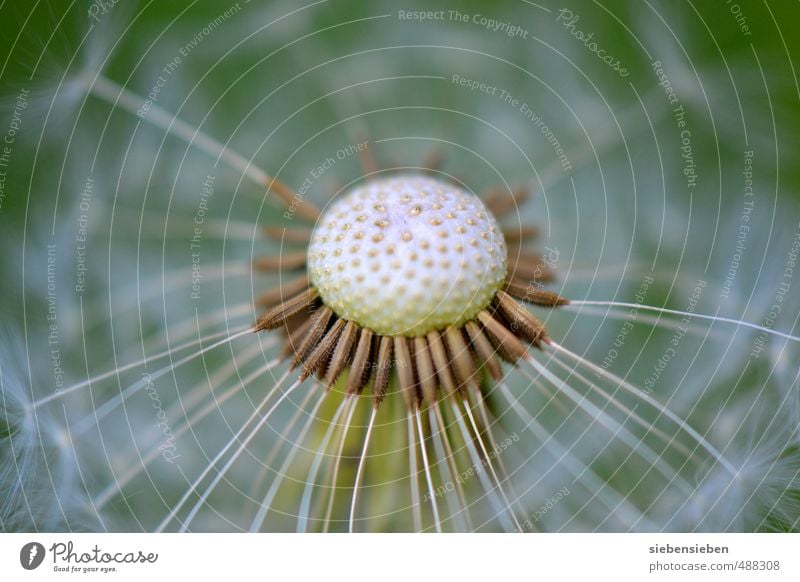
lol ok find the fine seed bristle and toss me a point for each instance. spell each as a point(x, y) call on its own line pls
point(279, 314)
point(360, 370)
point(360, 470)
point(487, 459)
point(111, 92)
point(383, 369)
point(531, 294)
point(295, 234)
point(283, 261)
point(522, 321)
point(426, 373)
point(282, 292)
point(508, 346)
point(441, 362)
point(690, 315)
point(437, 524)
point(484, 350)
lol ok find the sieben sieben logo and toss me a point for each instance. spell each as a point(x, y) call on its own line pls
point(66, 558)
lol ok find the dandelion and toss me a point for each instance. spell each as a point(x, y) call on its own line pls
point(300, 322)
point(408, 281)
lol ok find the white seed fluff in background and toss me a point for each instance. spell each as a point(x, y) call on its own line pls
point(406, 255)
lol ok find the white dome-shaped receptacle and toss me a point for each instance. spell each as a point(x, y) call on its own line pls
point(406, 255)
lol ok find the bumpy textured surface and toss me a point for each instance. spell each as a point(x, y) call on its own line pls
point(406, 255)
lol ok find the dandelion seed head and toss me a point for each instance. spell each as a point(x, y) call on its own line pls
point(415, 256)
point(423, 439)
